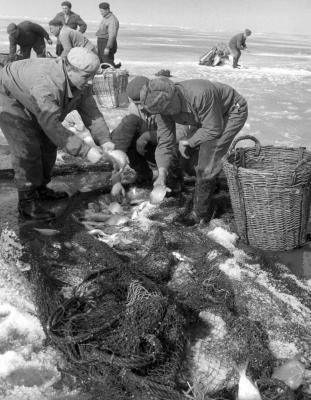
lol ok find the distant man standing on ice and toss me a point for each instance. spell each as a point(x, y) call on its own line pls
point(238, 43)
point(217, 110)
point(27, 35)
point(35, 97)
point(107, 35)
point(70, 19)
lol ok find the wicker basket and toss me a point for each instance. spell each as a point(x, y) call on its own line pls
point(109, 87)
point(270, 194)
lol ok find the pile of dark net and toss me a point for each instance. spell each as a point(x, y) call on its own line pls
point(124, 331)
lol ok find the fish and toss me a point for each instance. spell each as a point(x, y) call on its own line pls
point(120, 158)
point(115, 208)
point(117, 219)
point(247, 389)
point(157, 195)
point(95, 216)
point(47, 232)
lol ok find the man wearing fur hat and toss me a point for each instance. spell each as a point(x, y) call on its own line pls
point(217, 110)
point(238, 43)
point(107, 35)
point(136, 135)
point(35, 97)
point(27, 35)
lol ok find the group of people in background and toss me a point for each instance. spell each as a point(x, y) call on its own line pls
point(69, 29)
point(184, 127)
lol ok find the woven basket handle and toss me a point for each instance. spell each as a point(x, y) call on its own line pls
point(110, 67)
point(299, 164)
point(235, 141)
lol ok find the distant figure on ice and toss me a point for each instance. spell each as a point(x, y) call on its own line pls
point(69, 38)
point(27, 35)
point(217, 110)
point(70, 19)
point(35, 97)
point(107, 36)
point(238, 43)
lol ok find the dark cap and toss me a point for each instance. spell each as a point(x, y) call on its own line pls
point(134, 87)
point(158, 95)
point(11, 28)
point(66, 4)
point(105, 6)
point(247, 32)
point(56, 22)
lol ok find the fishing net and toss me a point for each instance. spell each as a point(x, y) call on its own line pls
point(165, 322)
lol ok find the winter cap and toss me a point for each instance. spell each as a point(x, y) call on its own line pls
point(83, 59)
point(66, 4)
point(134, 87)
point(105, 6)
point(56, 22)
point(11, 28)
point(247, 32)
point(157, 96)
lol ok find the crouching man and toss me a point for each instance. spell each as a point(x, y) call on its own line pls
point(35, 97)
point(218, 111)
point(137, 136)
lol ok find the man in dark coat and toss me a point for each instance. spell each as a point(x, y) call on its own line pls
point(107, 35)
point(70, 19)
point(217, 110)
point(238, 43)
point(28, 35)
point(35, 97)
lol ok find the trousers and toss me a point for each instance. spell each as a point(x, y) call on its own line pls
point(106, 58)
point(33, 154)
point(206, 160)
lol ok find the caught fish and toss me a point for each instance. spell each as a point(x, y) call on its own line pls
point(94, 216)
point(120, 158)
point(115, 208)
point(157, 195)
point(247, 389)
point(117, 219)
point(47, 232)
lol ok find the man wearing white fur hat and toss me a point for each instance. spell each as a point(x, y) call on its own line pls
point(35, 97)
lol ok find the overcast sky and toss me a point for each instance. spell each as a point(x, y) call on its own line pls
point(290, 16)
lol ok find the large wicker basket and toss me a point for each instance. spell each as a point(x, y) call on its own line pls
point(109, 87)
point(270, 194)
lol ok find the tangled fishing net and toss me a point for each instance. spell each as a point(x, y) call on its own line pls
point(170, 323)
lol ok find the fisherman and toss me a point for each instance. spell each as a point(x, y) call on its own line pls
point(136, 135)
point(217, 110)
point(69, 38)
point(35, 97)
point(70, 19)
point(107, 36)
point(238, 43)
point(27, 35)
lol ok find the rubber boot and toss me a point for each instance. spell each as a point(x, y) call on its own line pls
point(29, 206)
point(45, 193)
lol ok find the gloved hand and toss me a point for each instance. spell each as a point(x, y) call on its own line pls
point(183, 146)
point(94, 155)
point(118, 192)
point(50, 41)
point(142, 142)
point(106, 51)
point(108, 146)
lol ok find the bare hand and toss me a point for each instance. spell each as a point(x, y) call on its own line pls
point(108, 146)
point(118, 191)
point(183, 145)
point(106, 51)
point(50, 41)
point(141, 144)
point(94, 155)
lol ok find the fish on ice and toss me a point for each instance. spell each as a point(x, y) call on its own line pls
point(247, 390)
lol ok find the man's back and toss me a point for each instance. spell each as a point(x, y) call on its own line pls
point(28, 33)
point(70, 38)
point(237, 41)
